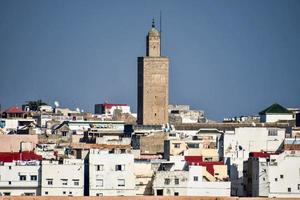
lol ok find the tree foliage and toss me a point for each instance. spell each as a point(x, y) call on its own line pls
point(33, 105)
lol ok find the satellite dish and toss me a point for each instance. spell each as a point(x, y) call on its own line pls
point(77, 109)
point(56, 103)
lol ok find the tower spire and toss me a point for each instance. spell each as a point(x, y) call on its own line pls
point(153, 23)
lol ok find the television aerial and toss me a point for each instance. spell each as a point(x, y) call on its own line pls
point(56, 103)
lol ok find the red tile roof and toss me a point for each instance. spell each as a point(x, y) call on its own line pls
point(198, 160)
point(261, 154)
point(109, 105)
point(14, 109)
point(11, 156)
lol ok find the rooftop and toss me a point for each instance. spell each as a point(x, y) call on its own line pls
point(198, 160)
point(14, 109)
point(14, 156)
point(110, 105)
point(275, 109)
point(98, 146)
point(209, 130)
point(261, 154)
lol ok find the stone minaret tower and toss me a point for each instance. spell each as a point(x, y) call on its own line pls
point(153, 83)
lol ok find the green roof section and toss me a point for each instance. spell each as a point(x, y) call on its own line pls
point(275, 109)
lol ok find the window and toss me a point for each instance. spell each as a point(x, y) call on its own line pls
point(33, 177)
point(121, 182)
point(193, 145)
point(167, 181)
point(120, 167)
point(123, 150)
point(208, 159)
point(9, 167)
point(64, 181)
point(22, 178)
point(29, 194)
point(263, 164)
point(76, 182)
point(9, 182)
point(6, 193)
point(176, 181)
point(99, 194)
point(289, 189)
point(176, 193)
point(111, 151)
point(195, 178)
point(99, 182)
point(281, 176)
point(70, 192)
point(46, 192)
point(298, 186)
point(168, 191)
point(99, 167)
point(49, 181)
point(276, 179)
point(64, 192)
point(160, 192)
point(177, 145)
point(272, 132)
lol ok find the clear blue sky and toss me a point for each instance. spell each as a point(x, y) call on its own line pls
point(228, 58)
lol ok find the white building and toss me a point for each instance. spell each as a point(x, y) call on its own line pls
point(80, 126)
point(256, 183)
point(284, 174)
point(109, 108)
point(9, 125)
point(183, 114)
point(205, 143)
point(45, 108)
point(275, 113)
point(144, 172)
point(239, 143)
point(274, 175)
point(111, 172)
point(63, 179)
point(20, 178)
point(187, 180)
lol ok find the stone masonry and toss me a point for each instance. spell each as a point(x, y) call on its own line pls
point(153, 83)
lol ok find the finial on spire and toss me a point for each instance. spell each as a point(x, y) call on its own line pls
point(153, 23)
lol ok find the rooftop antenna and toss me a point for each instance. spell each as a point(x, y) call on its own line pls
point(160, 30)
point(153, 23)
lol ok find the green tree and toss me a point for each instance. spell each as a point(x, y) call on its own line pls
point(33, 105)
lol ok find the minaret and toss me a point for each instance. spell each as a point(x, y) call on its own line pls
point(153, 42)
point(153, 82)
